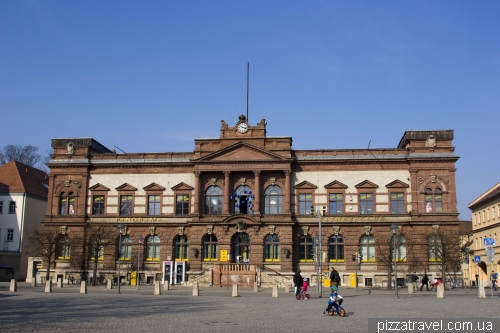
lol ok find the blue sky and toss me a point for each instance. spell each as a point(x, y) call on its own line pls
point(152, 76)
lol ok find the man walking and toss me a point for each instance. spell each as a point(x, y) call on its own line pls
point(297, 280)
point(413, 280)
point(494, 277)
point(334, 277)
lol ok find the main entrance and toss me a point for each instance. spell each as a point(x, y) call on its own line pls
point(241, 248)
point(243, 200)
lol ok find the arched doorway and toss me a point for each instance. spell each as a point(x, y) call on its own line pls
point(243, 200)
point(241, 248)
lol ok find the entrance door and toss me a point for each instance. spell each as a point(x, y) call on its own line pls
point(241, 248)
point(243, 200)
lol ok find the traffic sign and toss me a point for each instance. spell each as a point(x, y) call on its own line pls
point(477, 259)
point(489, 241)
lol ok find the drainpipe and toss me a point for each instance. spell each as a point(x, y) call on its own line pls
point(22, 224)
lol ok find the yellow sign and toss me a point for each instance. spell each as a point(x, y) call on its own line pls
point(223, 255)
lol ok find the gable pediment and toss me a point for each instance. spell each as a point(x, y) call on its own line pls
point(126, 187)
point(335, 185)
point(154, 187)
point(305, 185)
point(366, 184)
point(397, 184)
point(98, 187)
point(241, 151)
point(182, 186)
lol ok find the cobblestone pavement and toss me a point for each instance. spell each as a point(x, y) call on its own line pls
point(215, 310)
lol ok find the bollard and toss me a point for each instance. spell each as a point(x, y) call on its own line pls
point(157, 288)
point(48, 286)
point(235, 290)
point(410, 288)
point(83, 287)
point(255, 287)
point(59, 283)
point(33, 282)
point(13, 285)
point(110, 284)
point(440, 291)
point(481, 293)
point(196, 289)
point(286, 287)
point(275, 291)
point(166, 286)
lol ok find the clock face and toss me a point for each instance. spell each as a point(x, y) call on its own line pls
point(242, 127)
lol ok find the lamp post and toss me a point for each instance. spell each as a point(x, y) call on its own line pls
point(319, 256)
point(139, 238)
point(120, 228)
point(393, 229)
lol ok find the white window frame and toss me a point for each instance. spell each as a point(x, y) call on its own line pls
point(9, 237)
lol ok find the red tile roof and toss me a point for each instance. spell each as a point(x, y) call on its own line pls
point(16, 177)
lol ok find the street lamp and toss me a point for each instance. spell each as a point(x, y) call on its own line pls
point(120, 228)
point(393, 229)
point(139, 239)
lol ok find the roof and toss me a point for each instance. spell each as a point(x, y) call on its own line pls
point(491, 193)
point(16, 177)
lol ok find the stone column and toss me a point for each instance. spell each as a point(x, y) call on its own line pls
point(227, 193)
point(288, 192)
point(256, 192)
point(196, 199)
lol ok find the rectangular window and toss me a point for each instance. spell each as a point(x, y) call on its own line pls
point(98, 205)
point(182, 205)
point(493, 213)
point(126, 205)
point(10, 235)
point(153, 205)
point(336, 203)
point(305, 203)
point(1, 207)
point(366, 203)
point(397, 203)
point(12, 207)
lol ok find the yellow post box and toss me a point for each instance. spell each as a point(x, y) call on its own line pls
point(326, 279)
point(353, 280)
point(133, 278)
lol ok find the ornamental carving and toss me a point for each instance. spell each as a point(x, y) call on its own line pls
point(271, 229)
point(63, 230)
point(336, 230)
point(70, 148)
point(181, 231)
point(256, 228)
point(152, 230)
point(123, 230)
point(210, 229)
point(443, 181)
point(367, 230)
point(240, 226)
point(305, 230)
point(431, 141)
point(225, 227)
point(435, 228)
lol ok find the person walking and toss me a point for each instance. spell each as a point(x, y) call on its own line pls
point(425, 281)
point(334, 277)
point(297, 281)
point(494, 277)
point(413, 280)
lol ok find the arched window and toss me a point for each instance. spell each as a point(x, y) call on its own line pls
point(367, 248)
point(272, 248)
point(153, 248)
point(336, 248)
point(438, 200)
point(435, 248)
point(273, 200)
point(63, 247)
point(210, 248)
point(305, 249)
point(399, 252)
point(125, 248)
point(181, 248)
point(213, 200)
point(241, 248)
point(433, 200)
point(67, 204)
point(243, 198)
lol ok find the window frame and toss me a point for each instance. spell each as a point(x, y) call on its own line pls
point(94, 196)
point(9, 237)
point(333, 248)
point(272, 248)
point(208, 208)
point(153, 246)
point(129, 202)
point(304, 204)
point(156, 204)
point(400, 203)
point(400, 247)
point(63, 250)
point(271, 192)
point(1, 207)
point(185, 204)
point(372, 201)
point(124, 246)
point(305, 247)
point(434, 242)
point(70, 198)
point(210, 246)
point(12, 207)
point(369, 245)
point(330, 201)
point(434, 198)
point(181, 248)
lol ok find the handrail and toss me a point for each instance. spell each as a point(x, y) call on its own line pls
point(264, 268)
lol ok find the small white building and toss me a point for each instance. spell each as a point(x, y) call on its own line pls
point(23, 202)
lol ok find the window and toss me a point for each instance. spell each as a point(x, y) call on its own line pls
point(126, 205)
point(125, 248)
point(493, 213)
point(305, 203)
point(366, 203)
point(336, 248)
point(367, 248)
point(10, 235)
point(243, 200)
point(399, 252)
point(1, 207)
point(271, 248)
point(153, 248)
point(67, 203)
point(438, 200)
point(213, 200)
point(210, 245)
point(273, 200)
point(63, 248)
point(305, 249)
point(397, 203)
point(181, 248)
point(182, 205)
point(241, 248)
point(336, 203)
point(434, 248)
point(433, 201)
point(153, 205)
point(98, 205)
point(12, 207)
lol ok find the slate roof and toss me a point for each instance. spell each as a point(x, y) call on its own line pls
point(16, 177)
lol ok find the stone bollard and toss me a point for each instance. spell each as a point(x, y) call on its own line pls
point(440, 291)
point(196, 289)
point(410, 288)
point(157, 288)
point(59, 283)
point(481, 293)
point(235, 290)
point(48, 286)
point(83, 287)
point(13, 285)
point(286, 288)
point(110, 284)
point(255, 287)
point(275, 291)
point(166, 286)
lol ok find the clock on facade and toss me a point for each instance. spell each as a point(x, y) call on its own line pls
point(242, 127)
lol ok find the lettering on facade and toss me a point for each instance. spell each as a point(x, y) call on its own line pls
point(139, 219)
point(354, 219)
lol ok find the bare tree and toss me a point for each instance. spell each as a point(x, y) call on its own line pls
point(97, 237)
point(25, 154)
point(43, 243)
point(444, 249)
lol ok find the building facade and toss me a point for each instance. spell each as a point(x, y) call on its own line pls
point(246, 198)
point(23, 203)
